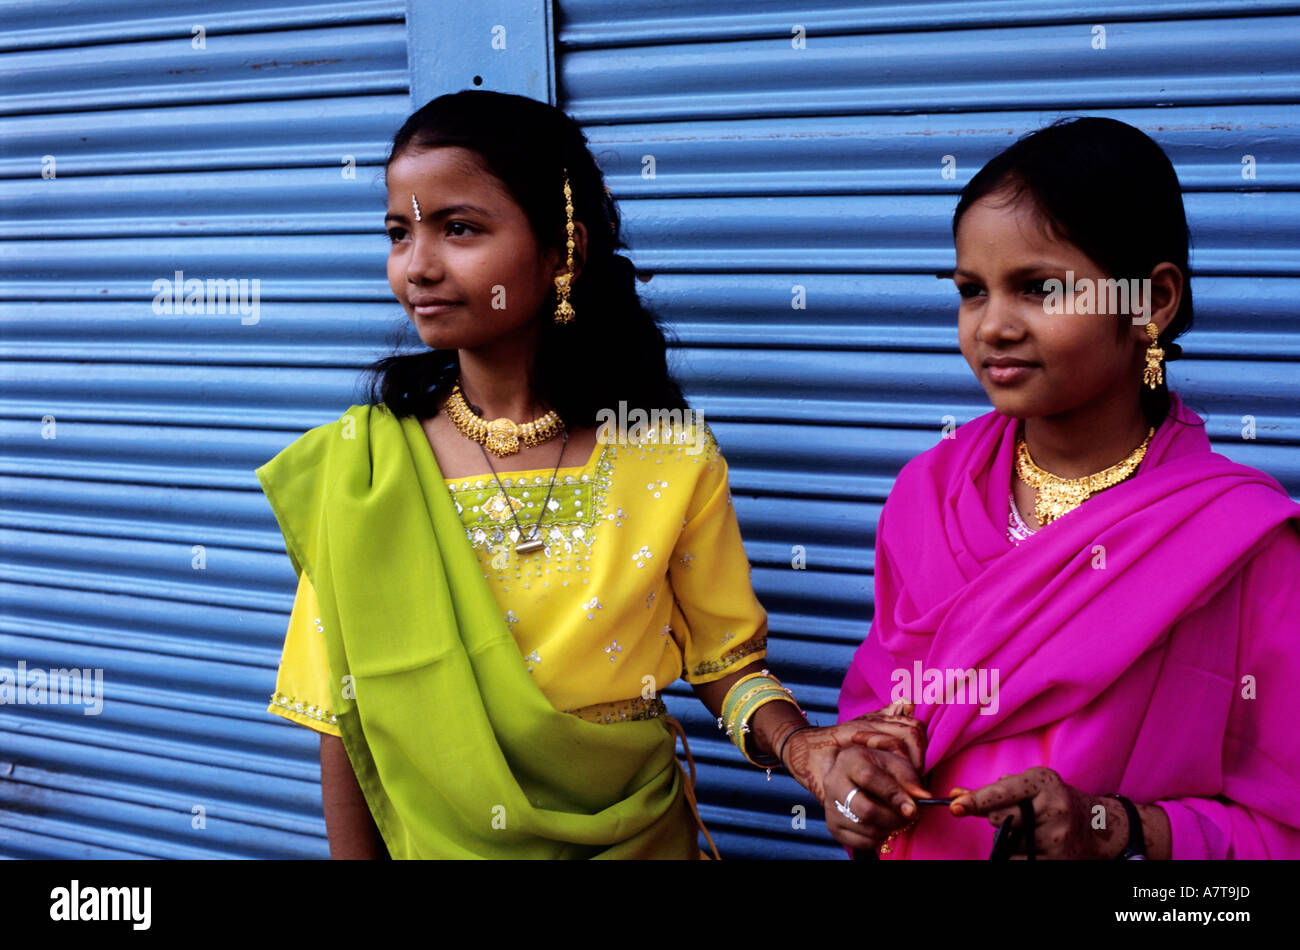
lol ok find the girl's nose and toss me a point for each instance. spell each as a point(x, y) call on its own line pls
point(1000, 322)
point(424, 263)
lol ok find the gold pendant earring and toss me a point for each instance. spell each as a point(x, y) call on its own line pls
point(563, 309)
point(563, 285)
point(1154, 373)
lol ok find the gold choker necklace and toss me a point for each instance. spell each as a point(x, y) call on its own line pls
point(500, 436)
point(1057, 496)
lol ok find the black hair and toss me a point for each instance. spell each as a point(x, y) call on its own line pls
point(1083, 174)
point(613, 349)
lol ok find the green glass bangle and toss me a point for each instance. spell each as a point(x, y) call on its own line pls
point(754, 681)
point(751, 701)
point(768, 760)
point(740, 727)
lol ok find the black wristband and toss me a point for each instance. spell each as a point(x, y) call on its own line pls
point(780, 752)
point(1136, 849)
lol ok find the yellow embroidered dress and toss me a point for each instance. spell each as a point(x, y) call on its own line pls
point(643, 579)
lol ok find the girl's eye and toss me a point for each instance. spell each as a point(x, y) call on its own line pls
point(459, 228)
point(968, 290)
point(396, 234)
point(1036, 288)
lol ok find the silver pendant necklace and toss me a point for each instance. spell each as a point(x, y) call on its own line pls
point(533, 542)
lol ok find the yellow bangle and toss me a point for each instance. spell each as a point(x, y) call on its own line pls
point(739, 706)
point(763, 701)
point(726, 700)
point(745, 705)
point(745, 697)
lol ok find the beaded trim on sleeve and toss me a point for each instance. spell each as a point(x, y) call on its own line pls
point(752, 645)
point(319, 713)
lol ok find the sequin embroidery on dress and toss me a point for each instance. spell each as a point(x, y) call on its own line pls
point(568, 523)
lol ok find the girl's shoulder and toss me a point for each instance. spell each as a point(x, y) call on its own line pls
point(344, 428)
point(677, 459)
point(670, 437)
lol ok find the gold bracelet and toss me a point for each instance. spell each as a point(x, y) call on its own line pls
point(888, 845)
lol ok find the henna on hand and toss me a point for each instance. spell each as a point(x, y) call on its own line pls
point(1063, 815)
point(886, 785)
point(810, 755)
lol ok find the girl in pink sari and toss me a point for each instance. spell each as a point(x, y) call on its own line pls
point(1122, 653)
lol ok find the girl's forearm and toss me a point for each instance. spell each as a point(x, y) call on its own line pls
point(352, 832)
point(770, 723)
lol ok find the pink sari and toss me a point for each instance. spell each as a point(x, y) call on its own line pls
point(1145, 644)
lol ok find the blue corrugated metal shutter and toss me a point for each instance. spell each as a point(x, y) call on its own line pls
point(226, 161)
point(774, 167)
point(780, 165)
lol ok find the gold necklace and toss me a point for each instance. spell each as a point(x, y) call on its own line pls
point(1056, 496)
point(500, 436)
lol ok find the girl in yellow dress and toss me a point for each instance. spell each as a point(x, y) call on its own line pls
point(524, 537)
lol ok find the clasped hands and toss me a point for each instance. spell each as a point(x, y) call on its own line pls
point(882, 754)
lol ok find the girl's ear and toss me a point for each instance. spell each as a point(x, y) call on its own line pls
point(1166, 295)
point(579, 252)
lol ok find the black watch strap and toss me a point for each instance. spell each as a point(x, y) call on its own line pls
point(1136, 849)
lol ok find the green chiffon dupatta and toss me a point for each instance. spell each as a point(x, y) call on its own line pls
point(457, 750)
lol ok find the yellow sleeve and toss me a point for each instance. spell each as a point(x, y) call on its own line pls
point(717, 620)
point(302, 693)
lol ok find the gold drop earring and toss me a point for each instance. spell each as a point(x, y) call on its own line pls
point(1154, 373)
point(563, 285)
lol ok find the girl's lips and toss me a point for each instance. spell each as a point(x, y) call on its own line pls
point(1010, 375)
point(433, 309)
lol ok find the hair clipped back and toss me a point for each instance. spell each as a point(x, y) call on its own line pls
point(614, 349)
point(1110, 190)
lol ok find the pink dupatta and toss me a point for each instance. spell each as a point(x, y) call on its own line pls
point(1119, 635)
